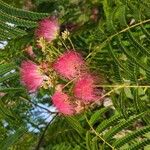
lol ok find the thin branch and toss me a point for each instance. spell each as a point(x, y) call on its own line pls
point(43, 134)
point(69, 82)
point(38, 105)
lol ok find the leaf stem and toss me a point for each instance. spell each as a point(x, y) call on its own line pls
point(97, 134)
point(125, 86)
point(116, 87)
point(112, 36)
point(108, 93)
point(71, 43)
point(63, 43)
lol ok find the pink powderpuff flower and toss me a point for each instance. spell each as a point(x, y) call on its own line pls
point(30, 76)
point(48, 29)
point(69, 64)
point(62, 103)
point(85, 89)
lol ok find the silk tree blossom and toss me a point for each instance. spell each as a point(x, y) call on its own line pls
point(63, 104)
point(69, 65)
point(85, 89)
point(31, 77)
point(48, 29)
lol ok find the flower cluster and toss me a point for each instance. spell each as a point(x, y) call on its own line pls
point(69, 66)
point(72, 66)
point(31, 74)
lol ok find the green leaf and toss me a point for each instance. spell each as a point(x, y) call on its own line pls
point(95, 117)
point(75, 124)
point(12, 139)
point(131, 136)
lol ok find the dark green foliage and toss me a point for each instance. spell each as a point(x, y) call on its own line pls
point(61, 132)
point(111, 130)
point(20, 13)
point(128, 51)
point(131, 136)
point(12, 138)
point(20, 20)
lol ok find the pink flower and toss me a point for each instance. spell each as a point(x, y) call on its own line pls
point(69, 64)
point(62, 103)
point(85, 89)
point(48, 29)
point(30, 76)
